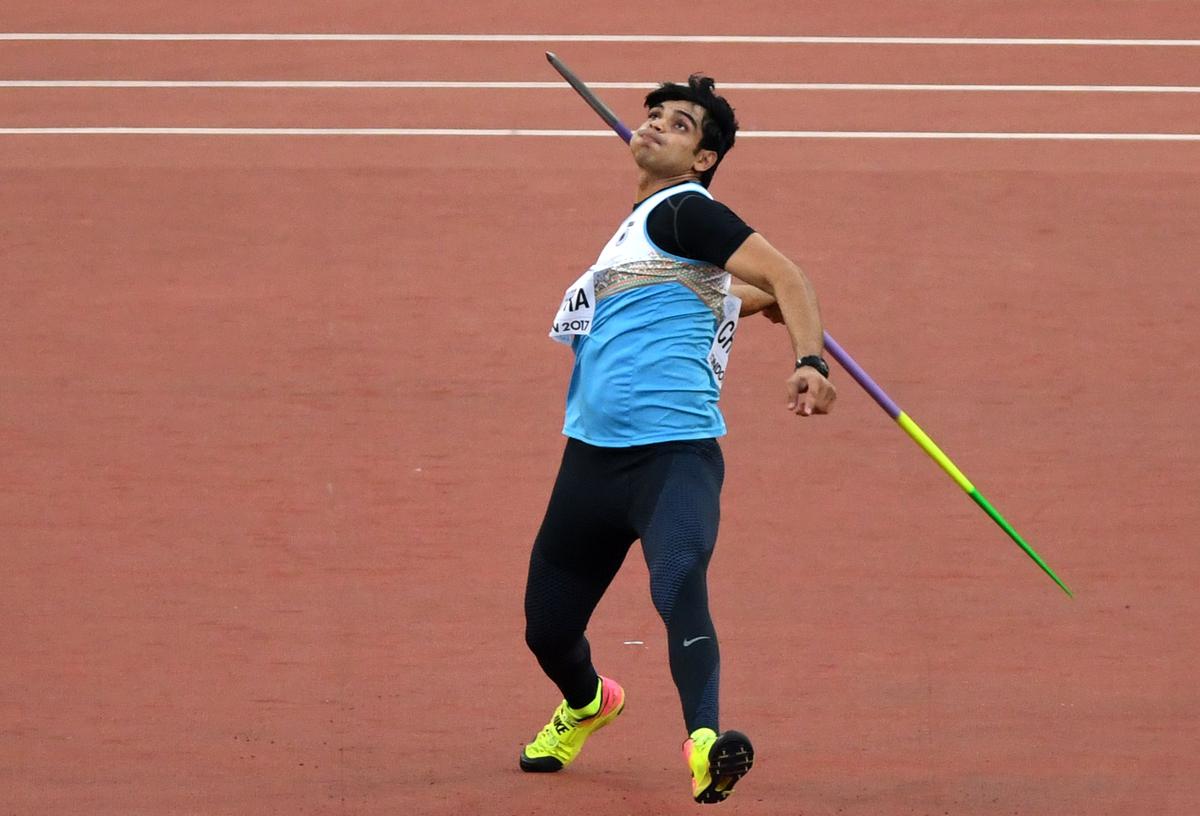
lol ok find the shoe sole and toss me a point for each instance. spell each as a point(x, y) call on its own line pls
point(730, 758)
point(540, 764)
point(551, 764)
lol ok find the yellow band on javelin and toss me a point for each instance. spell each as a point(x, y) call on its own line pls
point(912, 429)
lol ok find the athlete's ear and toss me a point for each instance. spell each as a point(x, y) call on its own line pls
point(705, 159)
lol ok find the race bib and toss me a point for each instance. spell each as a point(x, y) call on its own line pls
point(718, 354)
point(578, 307)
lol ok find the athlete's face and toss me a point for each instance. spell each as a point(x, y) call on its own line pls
point(668, 142)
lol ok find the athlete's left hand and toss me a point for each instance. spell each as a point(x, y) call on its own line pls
point(809, 393)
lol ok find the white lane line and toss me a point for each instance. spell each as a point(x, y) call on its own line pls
point(999, 136)
point(489, 85)
point(298, 131)
point(477, 132)
point(598, 38)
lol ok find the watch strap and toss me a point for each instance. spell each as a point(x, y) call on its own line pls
point(814, 361)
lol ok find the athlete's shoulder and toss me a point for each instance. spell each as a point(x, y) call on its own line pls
point(693, 225)
point(694, 204)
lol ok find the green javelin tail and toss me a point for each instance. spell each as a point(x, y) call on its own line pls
point(1015, 536)
point(921, 438)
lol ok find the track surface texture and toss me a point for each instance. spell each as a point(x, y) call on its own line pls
point(279, 418)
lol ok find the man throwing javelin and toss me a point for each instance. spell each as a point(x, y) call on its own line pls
point(652, 324)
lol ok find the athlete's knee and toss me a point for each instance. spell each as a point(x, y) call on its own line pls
point(662, 595)
point(545, 641)
point(538, 639)
point(685, 591)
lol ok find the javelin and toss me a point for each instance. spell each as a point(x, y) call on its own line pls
point(847, 362)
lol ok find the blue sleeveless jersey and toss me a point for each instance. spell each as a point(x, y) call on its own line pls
point(650, 355)
point(641, 375)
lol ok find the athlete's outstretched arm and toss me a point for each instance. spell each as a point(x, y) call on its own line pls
point(761, 265)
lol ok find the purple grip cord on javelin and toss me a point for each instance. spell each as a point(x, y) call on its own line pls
point(861, 377)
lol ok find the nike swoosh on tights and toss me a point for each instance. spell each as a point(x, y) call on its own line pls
point(687, 642)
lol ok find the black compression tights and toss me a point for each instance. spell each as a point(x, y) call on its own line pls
point(667, 495)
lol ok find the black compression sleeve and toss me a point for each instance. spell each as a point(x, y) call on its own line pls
point(694, 226)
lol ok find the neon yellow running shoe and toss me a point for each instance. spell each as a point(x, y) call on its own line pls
point(561, 740)
point(717, 763)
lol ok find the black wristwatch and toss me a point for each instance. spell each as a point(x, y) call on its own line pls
point(813, 361)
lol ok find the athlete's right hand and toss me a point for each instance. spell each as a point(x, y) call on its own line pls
point(809, 393)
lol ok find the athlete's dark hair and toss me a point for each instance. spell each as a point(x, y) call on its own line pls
point(719, 126)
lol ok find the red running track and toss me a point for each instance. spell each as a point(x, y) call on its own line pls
point(279, 421)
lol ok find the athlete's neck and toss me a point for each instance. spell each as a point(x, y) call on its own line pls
point(648, 185)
